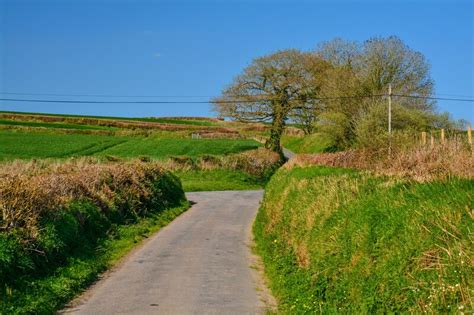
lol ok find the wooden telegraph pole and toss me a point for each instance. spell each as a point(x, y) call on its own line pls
point(389, 120)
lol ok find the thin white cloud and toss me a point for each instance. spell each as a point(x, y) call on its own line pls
point(157, 55)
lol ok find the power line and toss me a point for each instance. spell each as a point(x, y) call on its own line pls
point(453, 95)
point(106, 95)
point(227, 101)
point(436, 98)
point(102, 102)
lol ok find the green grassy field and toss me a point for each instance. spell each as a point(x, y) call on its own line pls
point(345, 241)
point(160, 148)
point(314, 143)
point(17, 144)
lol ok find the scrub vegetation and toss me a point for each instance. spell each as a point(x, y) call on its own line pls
point(64, 223)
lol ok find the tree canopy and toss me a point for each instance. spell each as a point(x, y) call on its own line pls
point(270, 88)
point(335, 86)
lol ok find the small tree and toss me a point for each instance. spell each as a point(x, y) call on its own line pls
point(269, 89)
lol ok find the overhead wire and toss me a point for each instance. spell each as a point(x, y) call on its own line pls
point(221, 101)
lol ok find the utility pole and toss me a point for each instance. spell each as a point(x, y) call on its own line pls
point(389, 120)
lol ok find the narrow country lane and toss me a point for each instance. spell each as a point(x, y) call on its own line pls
point(198, 264)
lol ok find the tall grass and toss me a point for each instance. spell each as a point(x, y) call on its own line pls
point(53, 215)
point(421, 163)
point(345, 241)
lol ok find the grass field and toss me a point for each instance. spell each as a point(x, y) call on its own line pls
point(17, 144)
point(345, 241)
point(314, 143)
point(160, 148)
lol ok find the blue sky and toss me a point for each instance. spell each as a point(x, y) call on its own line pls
point(184, 48)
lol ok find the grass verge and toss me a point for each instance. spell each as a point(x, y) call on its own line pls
point(45, 295)
point(345, 241)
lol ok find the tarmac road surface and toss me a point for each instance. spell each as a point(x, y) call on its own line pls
point(198, 264)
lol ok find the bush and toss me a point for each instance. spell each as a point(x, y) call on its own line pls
point(336, 128)
point(182, 162)
point(260, 162)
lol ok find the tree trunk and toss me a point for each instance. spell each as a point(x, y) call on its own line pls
point(273, 143)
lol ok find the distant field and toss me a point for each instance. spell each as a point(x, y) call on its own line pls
point(159, 148)
point(16, 144)
point(8, 122)
point(164, 120)
point(29, 145)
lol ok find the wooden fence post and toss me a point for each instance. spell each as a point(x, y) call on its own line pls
point(423, 138)
point(469, 134)
point(432, 140)
point(442, 136)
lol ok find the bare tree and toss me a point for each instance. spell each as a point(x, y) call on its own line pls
point(387, 61)
point(361, 70)
point(269, 89)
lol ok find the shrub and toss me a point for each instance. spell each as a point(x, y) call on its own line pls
point(337, 128)
point(181, 162)
point(209, 162)
point(260, 162)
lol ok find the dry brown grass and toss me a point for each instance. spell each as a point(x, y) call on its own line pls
point(255, 162)
point(421, 163)
point(32, 190)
